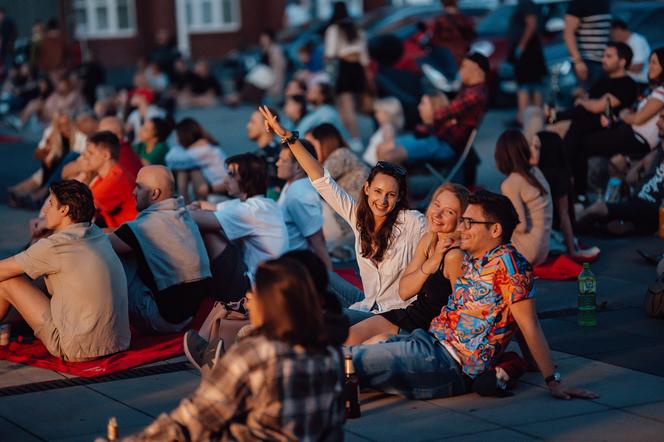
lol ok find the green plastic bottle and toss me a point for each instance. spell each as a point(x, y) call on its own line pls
point(587, 308)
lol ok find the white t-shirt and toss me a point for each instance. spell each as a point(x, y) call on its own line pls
point(257, 225)
point(648, 130)
point(640, 53)
point(380, 282)
point(210, 159)
point(302, 210)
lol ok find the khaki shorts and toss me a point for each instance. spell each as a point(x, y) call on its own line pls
point(50, 337)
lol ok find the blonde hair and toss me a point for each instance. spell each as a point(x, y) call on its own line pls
point(393, 108)
point(461, 192)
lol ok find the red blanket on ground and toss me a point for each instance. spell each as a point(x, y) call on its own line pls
point(558, 268)
point(143, 350)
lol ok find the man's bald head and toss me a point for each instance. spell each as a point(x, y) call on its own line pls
point(112, 124)
point(153, 184)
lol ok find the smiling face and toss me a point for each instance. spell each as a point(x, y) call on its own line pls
point(444, 212)
point(382, 194)
point(478, 238)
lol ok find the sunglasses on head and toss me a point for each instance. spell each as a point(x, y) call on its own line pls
point(391, 167)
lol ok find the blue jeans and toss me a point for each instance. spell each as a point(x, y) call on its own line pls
point(429, 148)
point(355, 316)
point(346, 293)
point(414, 365)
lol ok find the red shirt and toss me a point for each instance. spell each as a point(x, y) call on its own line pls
point(129, 161)
point(454, 122)
point(114, 197)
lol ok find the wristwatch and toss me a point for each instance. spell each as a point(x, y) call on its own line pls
point(554, 377)
point(294, 136)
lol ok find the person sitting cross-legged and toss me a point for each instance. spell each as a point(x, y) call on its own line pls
point(82, 312)
point(282, 382)
point(493, 296)
point(167, 266)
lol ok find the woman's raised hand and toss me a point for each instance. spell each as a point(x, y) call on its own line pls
point(271, 123)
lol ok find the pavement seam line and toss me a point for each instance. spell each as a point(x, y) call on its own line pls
point(22, 428)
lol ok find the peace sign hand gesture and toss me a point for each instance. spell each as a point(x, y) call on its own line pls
point(271, 123)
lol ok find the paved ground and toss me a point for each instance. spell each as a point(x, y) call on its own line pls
point(622, 358)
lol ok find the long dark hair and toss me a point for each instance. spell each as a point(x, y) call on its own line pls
point(330, 139)
point(365, 219)
point(513, 156)
point(291, 306)
point(189, 131)
point(659, 53)
point(342, 18)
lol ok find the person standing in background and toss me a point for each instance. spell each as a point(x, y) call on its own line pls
point(527, 57)
point(587, 28)
point(346, 45)
point(7, 39)
point(453, 31)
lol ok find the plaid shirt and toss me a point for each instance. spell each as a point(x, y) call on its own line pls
point(261, 389)
point(454, 123)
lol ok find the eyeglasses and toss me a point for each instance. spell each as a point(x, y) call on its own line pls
point(391, 167)
point(468, 222)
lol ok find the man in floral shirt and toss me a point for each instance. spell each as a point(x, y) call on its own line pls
point(493, 296)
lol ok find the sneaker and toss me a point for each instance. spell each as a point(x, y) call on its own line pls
point(194, 348)
point(201, 353)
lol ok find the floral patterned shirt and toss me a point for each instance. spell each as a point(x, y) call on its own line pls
point(477, 322)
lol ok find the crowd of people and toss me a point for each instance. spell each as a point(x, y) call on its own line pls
point(142, 217)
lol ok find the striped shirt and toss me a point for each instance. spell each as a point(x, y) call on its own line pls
point(594, 28)
point(262, 389)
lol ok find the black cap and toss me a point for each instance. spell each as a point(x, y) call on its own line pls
point(481, 60)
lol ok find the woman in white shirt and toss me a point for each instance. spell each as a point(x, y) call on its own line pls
point(346, 45)
point(386, 232)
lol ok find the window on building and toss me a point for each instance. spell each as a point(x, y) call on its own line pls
point(324, 8)
point(213, 15)
point(104, 18)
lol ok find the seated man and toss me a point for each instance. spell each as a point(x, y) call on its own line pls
point(301, 206)
point(640, 211)
point(445, 131)
point(251, 220)
point(492, 297)
point(320, 97)
point(616, 89)
point(168, 271)
point(127, 158)
point(83, 314)
point(267, 148)
point(112, 187)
